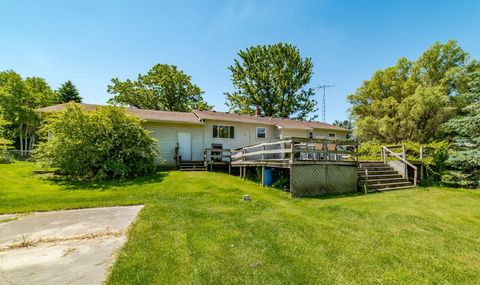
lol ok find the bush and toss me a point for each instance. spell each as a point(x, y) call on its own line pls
point(101, 144)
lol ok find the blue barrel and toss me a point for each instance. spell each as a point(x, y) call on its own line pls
point(268, 177)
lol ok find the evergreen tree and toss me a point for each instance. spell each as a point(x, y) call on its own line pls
point(68, 93)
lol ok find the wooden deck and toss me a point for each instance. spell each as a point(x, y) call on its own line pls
point(296, 151)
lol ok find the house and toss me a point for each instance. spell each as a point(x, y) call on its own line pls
point(194, 131)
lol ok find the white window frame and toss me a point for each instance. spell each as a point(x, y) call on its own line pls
point(330, 135)
point(229, 126)
point(310, 135)
point(256, 132)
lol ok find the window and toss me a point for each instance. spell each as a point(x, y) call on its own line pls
point(331, 135)
point(310, 135)
point(261, 133)
point(223, 132)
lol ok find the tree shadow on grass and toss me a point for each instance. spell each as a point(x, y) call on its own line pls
point(68, 184)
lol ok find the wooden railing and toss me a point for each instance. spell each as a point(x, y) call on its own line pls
point(217, 155)
point(295, 150)
point(401, 161)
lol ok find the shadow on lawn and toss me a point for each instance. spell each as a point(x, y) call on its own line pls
point(68, 184)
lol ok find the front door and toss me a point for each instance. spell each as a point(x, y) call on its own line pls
point(185, 145)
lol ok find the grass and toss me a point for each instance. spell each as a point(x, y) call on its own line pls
point(195, 228)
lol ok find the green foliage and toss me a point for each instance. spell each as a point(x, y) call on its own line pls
point(272, 77)
point(19, 99)
point(164, 87)
point(465, 132)
point(346, 124)
point(101, 144)
point(68, 93)
point(410, 100)
point(3, 141)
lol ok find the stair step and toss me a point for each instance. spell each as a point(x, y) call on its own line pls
point(381, 176)
point(362, 169)
point(390, 185)
point(394, 188)
point(373, 164)
point(378, 172)
point(381, 181)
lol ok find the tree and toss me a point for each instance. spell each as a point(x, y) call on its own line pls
point(3, 141)
point(346, 124)
point(465, 131)
point(410, 100)
point(19, 99)
point(68, 93)
point(101, 144)
point(3, 123)
point(164, 87)
point(273, 78)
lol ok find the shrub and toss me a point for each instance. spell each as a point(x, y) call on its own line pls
point(101, 144)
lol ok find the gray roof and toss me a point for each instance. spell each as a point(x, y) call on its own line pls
point(198, 117)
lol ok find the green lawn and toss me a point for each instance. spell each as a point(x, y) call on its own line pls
point(195, 228)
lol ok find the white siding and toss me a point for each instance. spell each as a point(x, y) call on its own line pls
point(320, 134)
point(288, 133)
point(202, 136)
point(166, 134)
point(245, 134)
point(317, 133)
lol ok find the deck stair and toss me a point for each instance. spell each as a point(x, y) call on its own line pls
point(380, 176)
point(193, 165)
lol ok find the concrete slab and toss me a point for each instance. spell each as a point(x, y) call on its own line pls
point(66, 224)
point(63, 247)
point(70, 262)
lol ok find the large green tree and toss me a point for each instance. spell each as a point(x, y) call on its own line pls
point(274, 78)
point(19, 99)
point(68, 92)
point(410, 100)
point(164, 87)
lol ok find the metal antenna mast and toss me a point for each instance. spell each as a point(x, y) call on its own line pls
point(323, 100)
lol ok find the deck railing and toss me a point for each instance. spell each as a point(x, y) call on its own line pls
point(215, 156)
point(400, 163)
point(295, 150)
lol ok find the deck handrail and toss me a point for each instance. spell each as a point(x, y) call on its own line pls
point(386, 150)
point(295, 149)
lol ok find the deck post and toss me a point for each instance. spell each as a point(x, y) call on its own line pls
point(291, 152)
point(263, 176)
point(244, 173)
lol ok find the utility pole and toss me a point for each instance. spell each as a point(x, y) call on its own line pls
point(323, 100)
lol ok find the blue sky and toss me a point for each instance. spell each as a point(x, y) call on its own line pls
point(89, 42)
